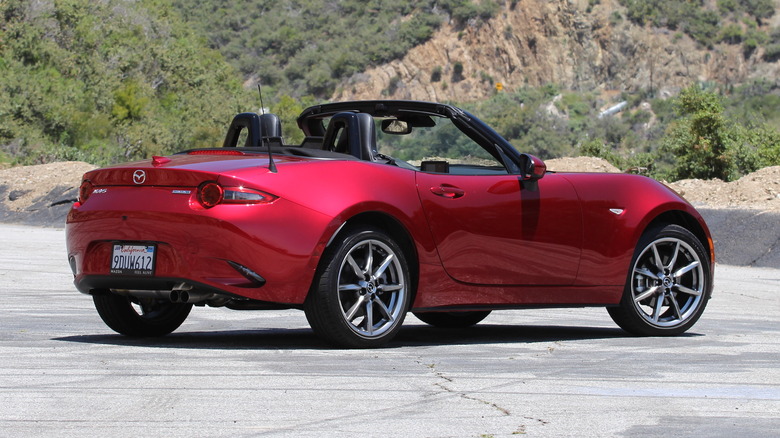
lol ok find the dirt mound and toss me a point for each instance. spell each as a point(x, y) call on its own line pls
point(759, 190)
point(42, 194)
point(580, 164)
point(25, 184)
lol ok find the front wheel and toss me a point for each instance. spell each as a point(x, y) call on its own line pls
point(668, 285)
point(361, 292)
point(140, 317)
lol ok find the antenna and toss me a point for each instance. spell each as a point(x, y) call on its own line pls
point(271, 164)
point(260, 90)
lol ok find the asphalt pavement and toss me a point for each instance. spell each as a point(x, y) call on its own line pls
point(539, 373)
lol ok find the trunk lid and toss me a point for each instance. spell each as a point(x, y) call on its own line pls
point(181, 170)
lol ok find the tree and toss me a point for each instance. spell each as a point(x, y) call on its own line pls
point(700, 139)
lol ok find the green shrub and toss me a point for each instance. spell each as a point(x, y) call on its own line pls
point(699, 139)
point(130, 101)
point(761, 9)
point(705, 142)
point(615, 18)
point(436, 74)
point(597, 148)
point(392, 87)
point(695, 19)
point(731, 34)
point(727, 6)
point(772, 53)
point(749, 46)
point(457, 72)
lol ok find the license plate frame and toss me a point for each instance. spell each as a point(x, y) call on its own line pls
point(133, 258)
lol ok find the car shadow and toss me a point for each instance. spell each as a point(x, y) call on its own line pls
point(263, 339)
point(424, 335)
point(408, 336)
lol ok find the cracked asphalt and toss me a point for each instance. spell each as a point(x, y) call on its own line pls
point(551, 372)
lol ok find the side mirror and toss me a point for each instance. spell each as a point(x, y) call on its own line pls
point(533, 168)
point(396, 127)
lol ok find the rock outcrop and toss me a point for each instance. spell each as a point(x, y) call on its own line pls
point(537, 42)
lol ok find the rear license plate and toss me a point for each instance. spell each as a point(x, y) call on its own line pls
point(133, 259)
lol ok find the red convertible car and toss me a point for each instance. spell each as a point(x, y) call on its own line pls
point(340, 228)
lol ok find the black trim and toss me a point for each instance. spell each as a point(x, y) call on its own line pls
point(91, 284)
point(471, 308)
point(255, 279)
point(101, 284)
point(296, 151)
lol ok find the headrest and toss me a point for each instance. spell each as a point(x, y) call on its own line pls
point(271, 125)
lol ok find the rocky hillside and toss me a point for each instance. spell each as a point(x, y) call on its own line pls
point(577, 44)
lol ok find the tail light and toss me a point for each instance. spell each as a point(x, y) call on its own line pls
point(211, 194)
point(85, 190)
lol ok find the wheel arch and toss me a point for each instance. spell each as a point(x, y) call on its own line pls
point(689, 222)
point(396, 230)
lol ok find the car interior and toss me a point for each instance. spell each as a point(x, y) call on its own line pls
point(353, 136)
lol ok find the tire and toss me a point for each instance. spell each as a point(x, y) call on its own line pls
point(452, 319)
point(361, 292)
point(668, 285)
point(140, 318)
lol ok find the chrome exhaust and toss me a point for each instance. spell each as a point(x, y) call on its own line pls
point(184, 293)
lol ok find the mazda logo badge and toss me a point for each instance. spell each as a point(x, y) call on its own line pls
point(139, 177)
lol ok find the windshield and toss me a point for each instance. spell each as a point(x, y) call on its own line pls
point(443, 142)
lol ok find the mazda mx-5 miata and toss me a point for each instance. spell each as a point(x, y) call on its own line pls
point(338, 227)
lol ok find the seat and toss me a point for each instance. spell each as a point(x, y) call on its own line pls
point(248, 121)
point(352, 133)
point(261, 130)
point(271, 125)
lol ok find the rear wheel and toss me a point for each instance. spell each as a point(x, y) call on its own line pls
point(452, 319)
point(140, 317)
point(361, 293)
point(668, 285)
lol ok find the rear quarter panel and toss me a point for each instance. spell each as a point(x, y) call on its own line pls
point(341, 190)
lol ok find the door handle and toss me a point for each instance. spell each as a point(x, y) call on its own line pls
point(447, 191)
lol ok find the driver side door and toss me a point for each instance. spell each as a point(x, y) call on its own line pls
point(490, 230)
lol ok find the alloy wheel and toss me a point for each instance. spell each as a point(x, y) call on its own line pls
point(371, 288)
point(667, 282)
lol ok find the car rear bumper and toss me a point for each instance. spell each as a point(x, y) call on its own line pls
point(266, 253)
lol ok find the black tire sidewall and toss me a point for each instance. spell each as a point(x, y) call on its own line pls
point(627, 316)
point(118, 314)
point(323, 308)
